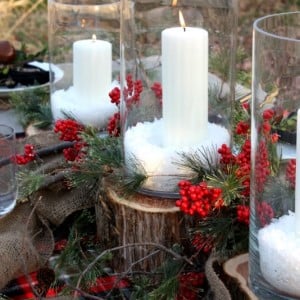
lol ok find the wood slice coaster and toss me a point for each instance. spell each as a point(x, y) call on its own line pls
point(138, 219)
point(237, 268)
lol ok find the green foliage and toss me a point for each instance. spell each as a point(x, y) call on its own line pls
point(244, 78)
point(201, 163)
point(230, 184)
point(81, 251)
point(161, 284)
point(230, 237)
point(33, 107)
point(219, 63)
point(102, 155)
point(29, 182)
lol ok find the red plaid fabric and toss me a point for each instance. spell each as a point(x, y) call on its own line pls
point(21, 288)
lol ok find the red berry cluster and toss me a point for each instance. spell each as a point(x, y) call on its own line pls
point(242, 128)
point(265, 213)
point(198, 199)
point(268, 114)
point(226, 155)
point(113, 126)
point(28, 155)
point(74, 153)
point(70, 131)
point(290, 172)
point(202, 243)
point(115, 95)
point(133, 91)
point(157, 89)
point(243, 214)
point(60, 245)
point(189, 285)
point(269, 117)
point(262, 166)
point(242, 162)
point(244, 167)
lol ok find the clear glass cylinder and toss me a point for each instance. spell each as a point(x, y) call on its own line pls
point(275, 139)
point(177, 82)
point(84, 43)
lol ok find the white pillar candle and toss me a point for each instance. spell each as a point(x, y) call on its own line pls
point(297, 185)
point(185, 85)
point(92, 69)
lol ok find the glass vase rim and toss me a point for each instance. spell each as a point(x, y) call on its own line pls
point(10, 131)
point(257, 28)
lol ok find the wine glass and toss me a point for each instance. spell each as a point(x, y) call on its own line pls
point(8, 180)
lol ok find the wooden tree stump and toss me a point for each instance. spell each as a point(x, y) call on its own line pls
point(137, 219)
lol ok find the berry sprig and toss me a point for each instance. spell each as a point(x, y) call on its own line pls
point(28, 156)
point(70, 130)
point(157, 89)
point(265, 213)
point(113, 126)
point(262, 166)
point(243, 214)
point(190, 284)
point(132, 94)
point(115, 96)
point(290, 172)
point(202, 242)
point(133, 91)
point(198, 199)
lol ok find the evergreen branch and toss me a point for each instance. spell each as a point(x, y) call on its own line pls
point(132, 183)
point(107, 251)
point(230, 184)
point(229, 236)
point(31, 182)
point(102, 155)
point(201, 163)
point(33, 106)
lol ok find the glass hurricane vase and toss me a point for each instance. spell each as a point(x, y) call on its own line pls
point(177, 84)
point(275, 183)
point(84, 59)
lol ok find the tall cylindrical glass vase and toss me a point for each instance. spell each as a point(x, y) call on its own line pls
point(84, 59)
point(177, 81)
point(275, 183)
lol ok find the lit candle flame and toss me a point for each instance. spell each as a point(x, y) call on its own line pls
point(94, 38)
point(174, 3)
point(181, 20)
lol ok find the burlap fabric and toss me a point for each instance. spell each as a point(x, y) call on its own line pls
point(26, 238)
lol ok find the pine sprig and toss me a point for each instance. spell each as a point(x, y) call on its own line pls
point(29, 182)
point(230, 184)
point(78, 254)
point(33, 106)
point(101, 157)
point(201, 163)
point(132, 181)
point(230, 237)
point(162, 283)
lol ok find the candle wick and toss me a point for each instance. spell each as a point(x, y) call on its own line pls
point(184, 28)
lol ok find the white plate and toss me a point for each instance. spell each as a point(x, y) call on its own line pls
point(58, 74)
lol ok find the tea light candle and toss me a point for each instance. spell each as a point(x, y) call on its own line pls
point(185, 84)
point(279, 242)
